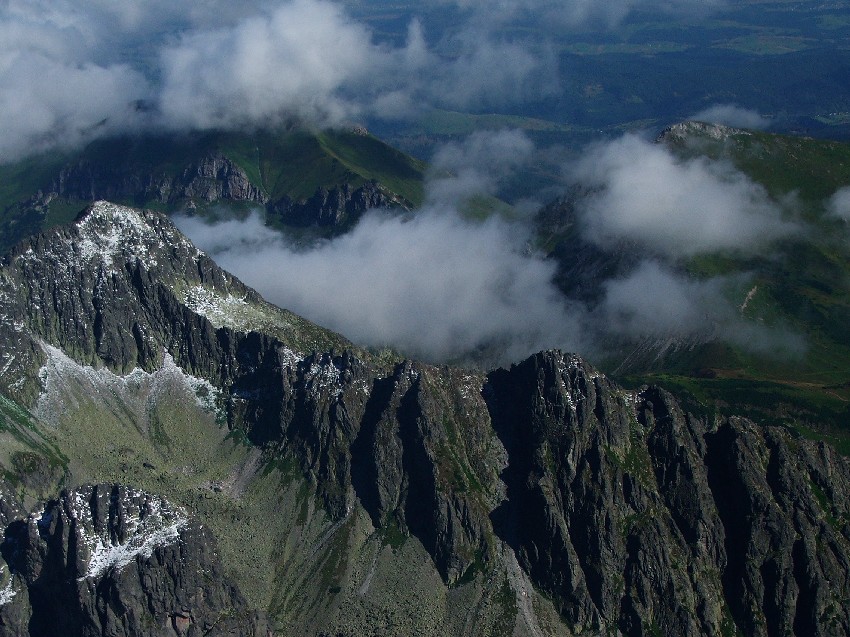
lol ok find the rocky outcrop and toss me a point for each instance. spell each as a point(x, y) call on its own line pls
point(628, 513)
point(336, 206)
point(214, 177)
point(211, 178)
point(108, 560)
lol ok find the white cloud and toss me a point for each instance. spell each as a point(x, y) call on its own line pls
point(675, 207)
point(74, 71)
point(436, 286)
point(292, 62)
point(839, 204)
point(732, 115)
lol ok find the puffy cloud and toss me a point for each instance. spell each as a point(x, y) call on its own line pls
point(434, 286)
point(732, 115)
point(839, 204)
point(72, 72)
point(672, 206)
point(292, 62)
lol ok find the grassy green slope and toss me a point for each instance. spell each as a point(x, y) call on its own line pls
point(293, 163)
point(803, 285)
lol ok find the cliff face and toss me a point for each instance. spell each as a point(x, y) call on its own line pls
point(541, 484)
point(637, 516)
point(108, 560)
point(335, 207)
point(211, 178)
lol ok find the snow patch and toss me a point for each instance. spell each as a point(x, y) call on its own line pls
point(748, 298)
point(151, 523)
point(8, 592)
point(289, 358)
point(235, 312)
point(59, 370)
point(470, 386)
point(219, 310)
point(324, 376)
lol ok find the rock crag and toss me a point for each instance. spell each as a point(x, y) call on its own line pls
point(544, 483)
point(110, 560)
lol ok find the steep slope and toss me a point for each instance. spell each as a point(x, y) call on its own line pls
point(351, 494)
point(301, 178)
point(111, 560)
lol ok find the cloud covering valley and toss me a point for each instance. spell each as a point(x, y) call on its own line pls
point(440, 286)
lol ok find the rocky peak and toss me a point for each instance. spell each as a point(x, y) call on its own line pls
point(108, 559)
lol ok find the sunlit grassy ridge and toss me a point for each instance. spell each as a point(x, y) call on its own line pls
point(801, 285)
point(292, 164)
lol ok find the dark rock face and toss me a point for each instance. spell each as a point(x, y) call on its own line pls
point(211, 178)
point(629, 513)
point(640, 517)
point(108, 560)
point(335, 207)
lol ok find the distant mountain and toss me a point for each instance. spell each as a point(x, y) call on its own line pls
point(300, 177)
point(180, 457)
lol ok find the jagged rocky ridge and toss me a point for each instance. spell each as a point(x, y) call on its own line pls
point(629, 514)
point(335, 207)
point(110, 560)
point(208, 179)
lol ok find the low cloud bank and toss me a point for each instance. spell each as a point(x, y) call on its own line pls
point(656, 302)
point(435, 286)
point(75, 71)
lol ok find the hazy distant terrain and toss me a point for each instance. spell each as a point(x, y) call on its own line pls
point(785, 60)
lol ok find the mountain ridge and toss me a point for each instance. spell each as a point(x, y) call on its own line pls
point(302, 179)
point(541, 499)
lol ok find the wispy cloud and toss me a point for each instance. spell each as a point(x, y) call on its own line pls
point(838, 205)
point(477, 165)
point(576, 14)
point(732, 115)
point(654, 301)
point(436, 286)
